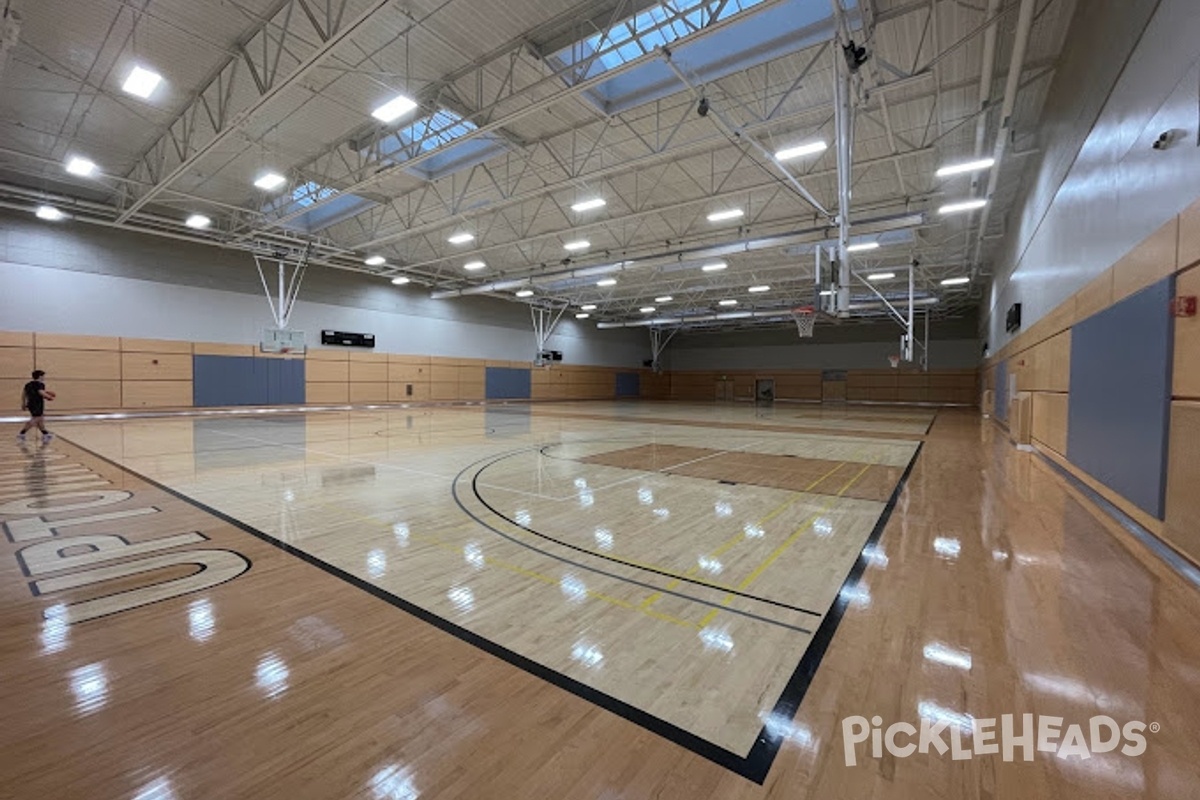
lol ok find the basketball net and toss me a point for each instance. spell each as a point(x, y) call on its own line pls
point(894, 361)
point(805, 318)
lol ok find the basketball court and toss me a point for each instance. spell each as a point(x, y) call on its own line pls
point(612, 399)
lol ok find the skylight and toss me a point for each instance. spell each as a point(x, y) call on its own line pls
point(308, 193)
point(657, 26)
point(436, 130)
point(440, 132)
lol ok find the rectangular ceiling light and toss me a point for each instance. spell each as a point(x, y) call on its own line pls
point(647, 309)
point(727, 303)
point(525, 293)
point(474, 266)
point(198, 221)
point(806, 149)
point(666, 298)
point(716, 266)
point(966, 205)
point(270, 180)
point(956, 281)
point(141, 82)
point(80, 166)
point(582, 244)
point(461, 238)
point(862, 246)
point(759, 289)
point(607, 282)
point(394, 109)
point(881, 276)
point(374, 261)
point(50, 213)
point(721, 216)
point(966, 166)
point(588, 205)
point(582, 316)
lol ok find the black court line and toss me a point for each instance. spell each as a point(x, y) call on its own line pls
point(615, 559)
point(754, 766)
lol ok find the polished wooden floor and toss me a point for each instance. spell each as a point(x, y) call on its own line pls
point(574, 600)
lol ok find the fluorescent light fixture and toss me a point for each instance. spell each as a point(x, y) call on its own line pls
point(727, 303)
point(588, 307)
point(607, 282)
point(666, 298)
point(579, 244)
point(472, 266)
point(966, 205)
point(715, 266)
point(721, 216)
point(966, 166)
point(50, 214)
point(525, 293)
point(399, 280)
point(588, 205)
point(647, 309)
point(374, 261)
point(394, 109)
point(141, 82)
point(582, 316)
point(827, 293)
point(197, 221)
point(881, 276)
point(806, 149)
point(759, 289)
point(461, 238)
point(858, 248)
point(270, 180)
point(956, 281)
point(78, 165)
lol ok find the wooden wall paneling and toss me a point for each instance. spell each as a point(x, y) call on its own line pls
point(367, 371)
point(1183, 476)
point(1153, 259)
point(156, 393)
point(84, 395)
point(156, 366)
point(218, 349)
point(1095, 297)
point(326, 393)
point(1189, 236)
point(62, 341)
point(155, 346)
point(368, 391)
point(16, 362)
point(319, 371)
point(82, 364)
point(16, 339)
point(1186, 378)
point(1049, 424)
point(324, 354)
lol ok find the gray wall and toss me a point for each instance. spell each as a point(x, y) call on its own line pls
point(72, 278)
point(849, 346)
point(1095, 197)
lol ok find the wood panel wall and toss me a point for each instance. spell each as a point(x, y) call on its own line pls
point(1040, 357)
point(880, 386)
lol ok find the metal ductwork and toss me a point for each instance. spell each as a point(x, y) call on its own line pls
point(773, 315)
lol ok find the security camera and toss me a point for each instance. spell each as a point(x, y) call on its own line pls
point(702, 108)
point(1164, 140)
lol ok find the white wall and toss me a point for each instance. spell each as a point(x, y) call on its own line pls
point(1118, 189)
point(69, 278)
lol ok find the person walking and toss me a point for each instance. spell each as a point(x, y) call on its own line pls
point(33, 400)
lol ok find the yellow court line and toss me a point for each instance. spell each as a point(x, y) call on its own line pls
point(741, 536)
point(783, 547)
point(436, 541)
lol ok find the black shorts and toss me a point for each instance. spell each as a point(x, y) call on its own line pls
point(37, 410)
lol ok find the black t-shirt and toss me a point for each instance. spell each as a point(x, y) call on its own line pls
point(33, 396)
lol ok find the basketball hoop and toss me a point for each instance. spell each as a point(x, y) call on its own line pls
point(805, 318)
point(894, 361)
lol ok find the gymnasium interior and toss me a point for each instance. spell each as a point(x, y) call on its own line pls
point(731, 399)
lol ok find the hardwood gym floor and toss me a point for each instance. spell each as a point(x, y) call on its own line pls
point(627, 600)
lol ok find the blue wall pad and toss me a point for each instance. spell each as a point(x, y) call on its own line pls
point(1001, 395)
point(507, 383)
point(1120, 402)
point(629, 384)
point(246, 381)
